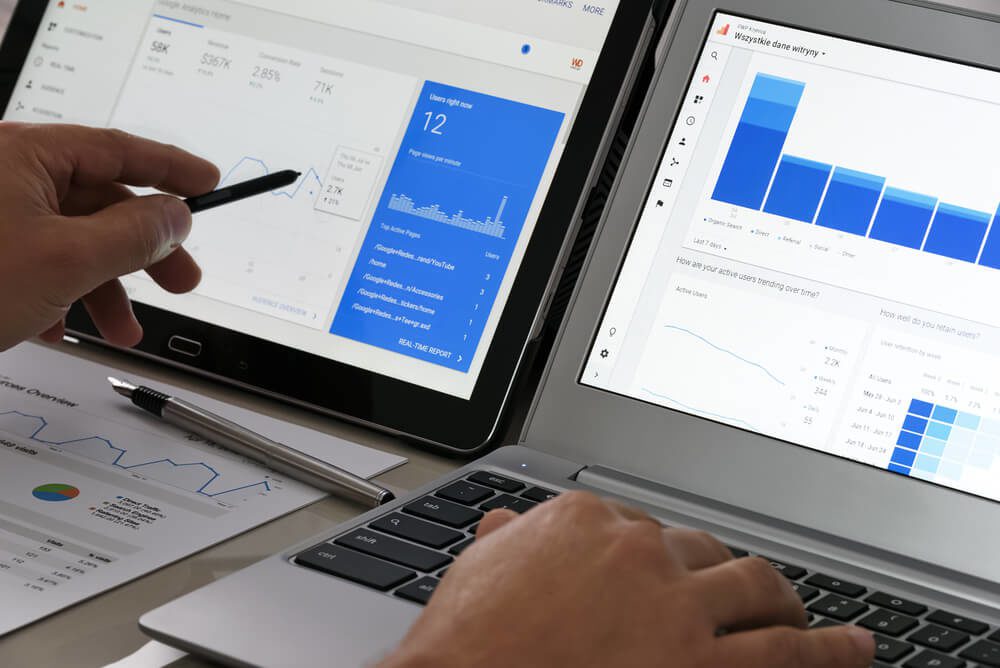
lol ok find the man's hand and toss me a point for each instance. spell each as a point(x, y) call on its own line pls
point(583, 582)
point(69, 227)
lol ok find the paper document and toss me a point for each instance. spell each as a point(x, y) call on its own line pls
point(151, 655)
point(94, 492)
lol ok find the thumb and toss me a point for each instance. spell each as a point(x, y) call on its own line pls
point(132, 235)
point(494, 521)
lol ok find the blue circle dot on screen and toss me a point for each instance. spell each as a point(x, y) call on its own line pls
point(526, 49)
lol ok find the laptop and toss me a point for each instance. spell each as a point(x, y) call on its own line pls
point(447, 151)
point(785, 334)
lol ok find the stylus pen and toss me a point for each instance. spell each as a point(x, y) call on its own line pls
point(238, 191)
point(274, 455)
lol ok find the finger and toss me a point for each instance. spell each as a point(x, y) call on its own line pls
point(177, 273)
point(747, 594)
point(110, 309)
point(630, 513)
point(842, 647)
point(494, 521)
point(696, 549)
point(94, 157)
point(84, 201)
point(55, 333)
point(124, 238)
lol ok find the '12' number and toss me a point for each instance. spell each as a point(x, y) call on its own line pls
point(434, 123)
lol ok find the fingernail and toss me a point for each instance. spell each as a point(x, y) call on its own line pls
point(178, 218)
point(864, 640)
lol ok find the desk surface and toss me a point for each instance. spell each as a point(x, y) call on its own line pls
point(104, 629)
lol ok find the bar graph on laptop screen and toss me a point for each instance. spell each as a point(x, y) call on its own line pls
point(819, 256)
point(759, 175)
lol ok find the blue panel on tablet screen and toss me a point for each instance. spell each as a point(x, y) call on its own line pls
point(447, 224)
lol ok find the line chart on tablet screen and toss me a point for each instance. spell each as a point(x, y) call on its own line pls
point(285, 254)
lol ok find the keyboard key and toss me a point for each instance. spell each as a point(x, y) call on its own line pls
point(897, 604)
point(738, 553)
point(497, 482)
point(410, 528)
point(460, 548)
point(419, 591)
point(805, 592)
point(465, 493)
point(510, 503)
point(444, 571)
point(938, 637)
point(887, 649)
point(958, 622)
point(789, 571)
point(445, 512)
point(540, 495)
point(836, 607)
point(928, 659)
point(880, 665)
point(824, 623)
point(888, 623)
point(984, 651)
point(392, 549)
point(354, 566)
point(837, 586)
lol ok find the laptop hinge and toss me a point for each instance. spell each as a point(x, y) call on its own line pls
point(739, 527)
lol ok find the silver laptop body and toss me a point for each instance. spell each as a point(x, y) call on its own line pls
point(913, 538)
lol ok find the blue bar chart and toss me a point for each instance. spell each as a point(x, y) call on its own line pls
point(904, 218)
point(939, 443)
point(758, 174)
point(957, 232)
point(759, 141)
point(798, 188)
point(850, 201)
point(490, 227)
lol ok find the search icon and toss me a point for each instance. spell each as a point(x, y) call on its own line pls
point(715, 55)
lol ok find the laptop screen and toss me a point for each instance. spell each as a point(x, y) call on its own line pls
point(819, 257)
point(427, 132)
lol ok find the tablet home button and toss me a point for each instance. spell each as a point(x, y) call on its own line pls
point(184, 346)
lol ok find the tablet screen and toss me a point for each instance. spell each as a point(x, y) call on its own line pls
point(427, 133)
point(819, 255)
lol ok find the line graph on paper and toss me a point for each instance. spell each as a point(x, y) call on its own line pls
point(139, 453)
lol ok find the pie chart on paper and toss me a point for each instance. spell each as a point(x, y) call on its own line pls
point(55, 492)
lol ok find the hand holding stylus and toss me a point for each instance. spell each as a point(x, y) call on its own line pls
point(69, 226)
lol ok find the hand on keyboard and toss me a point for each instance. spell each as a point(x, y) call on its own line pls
point(579, 581)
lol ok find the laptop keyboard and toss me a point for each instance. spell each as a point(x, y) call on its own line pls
point(407, 551)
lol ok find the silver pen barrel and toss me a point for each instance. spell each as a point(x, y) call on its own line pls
point(277, 456)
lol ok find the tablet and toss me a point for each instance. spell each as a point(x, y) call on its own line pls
point(446, 149)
